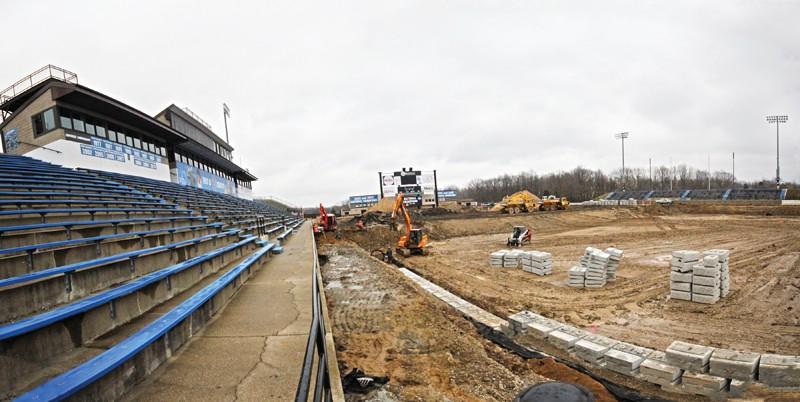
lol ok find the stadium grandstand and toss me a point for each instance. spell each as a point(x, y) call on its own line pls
point(702, 194)
point(121, 236)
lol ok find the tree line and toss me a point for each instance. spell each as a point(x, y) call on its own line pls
point(581, 184)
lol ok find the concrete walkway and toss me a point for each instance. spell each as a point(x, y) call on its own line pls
point(254, 350)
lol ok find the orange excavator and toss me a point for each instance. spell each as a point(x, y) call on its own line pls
point(414, 241)
point(326, 223)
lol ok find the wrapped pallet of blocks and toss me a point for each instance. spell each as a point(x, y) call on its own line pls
point(496, 258)
point(512, 258)
point(680, 279)
point(537, 262)
point(596, 270)
point(577, 276)
point(615, 255)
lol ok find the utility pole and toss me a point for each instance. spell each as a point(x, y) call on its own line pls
point(709, 172)
point(777, 120)
point(733, 161)
point(671, 173)
point(650, 161)
point(622, 136)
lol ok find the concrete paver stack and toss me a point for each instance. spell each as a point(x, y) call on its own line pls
point(577, 276)
point(724, 271)
point(615, 255)
point(496, 258)
point(680, 279)
point(537, 262)
point(596, 270)
point(706, 280)
point(699, 277)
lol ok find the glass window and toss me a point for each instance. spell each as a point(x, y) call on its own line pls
point(38, 124)
point(90, 129)
point(77, 124)
point(112, 135)
point(137, 143)
point(121, 138)
point(151, 147)
point(49, 117)
point(129, 140)
point(101, 131)
point(162, 151)
point(66, 122)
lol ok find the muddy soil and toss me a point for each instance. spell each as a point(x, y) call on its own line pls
point(386, 326)
point(761, 313)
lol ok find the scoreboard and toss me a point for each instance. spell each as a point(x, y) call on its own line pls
point(417, 185)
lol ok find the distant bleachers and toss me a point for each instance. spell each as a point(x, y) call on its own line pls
point(85, 253)
point(700, 194)
point(755, 194)
point(706, 194)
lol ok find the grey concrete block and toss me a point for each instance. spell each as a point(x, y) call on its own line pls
point(705, 299)
point(623, 362)
point(686, 255)
point(680, 286)
point(700, 270)
point(734, 364)
point(737, 388)
point(565, 337)
point(593, 348)
point(705, 281)
point(679, 277)
point(678, 295)
point(656, 370)
point(689, 356)
point(705, 290)
point(779, 370)
point(682, 266)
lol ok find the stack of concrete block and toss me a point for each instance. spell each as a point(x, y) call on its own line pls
point(596, 269)
point(593, 348)
point(615, 255)
point(689, 356)
point(657, 370)
point(734, 364)
point(680, 279)
point(577, 276)
point(537, 262)
point(511, 259)
point(496, 258)
point(530, 328)
point(587, 254)
point(779, 370)
point(724, 272)
point(706, 280)
point(626, 358)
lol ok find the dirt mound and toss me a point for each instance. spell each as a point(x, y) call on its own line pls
point(386, 204)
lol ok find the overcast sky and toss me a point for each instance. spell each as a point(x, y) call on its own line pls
point(326, 94)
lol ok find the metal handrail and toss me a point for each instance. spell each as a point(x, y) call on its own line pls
point(316, 345)
point(36, 77)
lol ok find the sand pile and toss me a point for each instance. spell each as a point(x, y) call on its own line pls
point(386, 204)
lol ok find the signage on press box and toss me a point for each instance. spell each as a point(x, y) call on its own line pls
point(363, 201)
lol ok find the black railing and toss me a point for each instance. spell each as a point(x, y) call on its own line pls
point(316, 346)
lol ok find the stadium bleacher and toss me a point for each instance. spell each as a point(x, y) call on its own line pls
point(701, 194)
point(84, 254)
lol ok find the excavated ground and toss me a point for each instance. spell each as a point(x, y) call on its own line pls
point(386, 326)
point(761, 313)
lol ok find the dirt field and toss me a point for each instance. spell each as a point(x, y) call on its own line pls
point(386, 326)
point(761, 313)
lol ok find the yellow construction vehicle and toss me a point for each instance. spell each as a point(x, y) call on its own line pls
point(521, 201)
point(551, 203)
point(414, 241)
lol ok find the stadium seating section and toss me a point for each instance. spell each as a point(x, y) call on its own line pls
point(720, 194)
point(85, 256)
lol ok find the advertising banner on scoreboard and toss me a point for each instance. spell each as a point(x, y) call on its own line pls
point(363, 201)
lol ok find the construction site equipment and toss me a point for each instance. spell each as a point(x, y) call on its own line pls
point(551, 203)
point(521, 201)
point(414, 241)
point(325, 223)
point(519, 236)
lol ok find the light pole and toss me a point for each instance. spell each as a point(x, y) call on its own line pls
point(226, 112)
point(777, 120)
point(622, 136)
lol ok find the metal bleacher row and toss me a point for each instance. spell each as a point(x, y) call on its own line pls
point(85, 257)
point(719, 194)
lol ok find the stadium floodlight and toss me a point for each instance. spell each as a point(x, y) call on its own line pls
point(777, 120)
point(226, 112)
point(622, 136)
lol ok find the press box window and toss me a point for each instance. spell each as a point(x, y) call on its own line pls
point(44, 122)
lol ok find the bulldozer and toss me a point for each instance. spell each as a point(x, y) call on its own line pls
point(414, 241)
point(521, 201)
point(551, 203)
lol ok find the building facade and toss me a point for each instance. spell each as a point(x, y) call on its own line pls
point(49, 116)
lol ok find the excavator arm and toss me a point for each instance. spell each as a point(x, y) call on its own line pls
point(398, 207)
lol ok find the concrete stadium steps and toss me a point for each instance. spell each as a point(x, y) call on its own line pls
point(64, 336)
point(28, 258)
point(24, 235)
point(40, 290)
